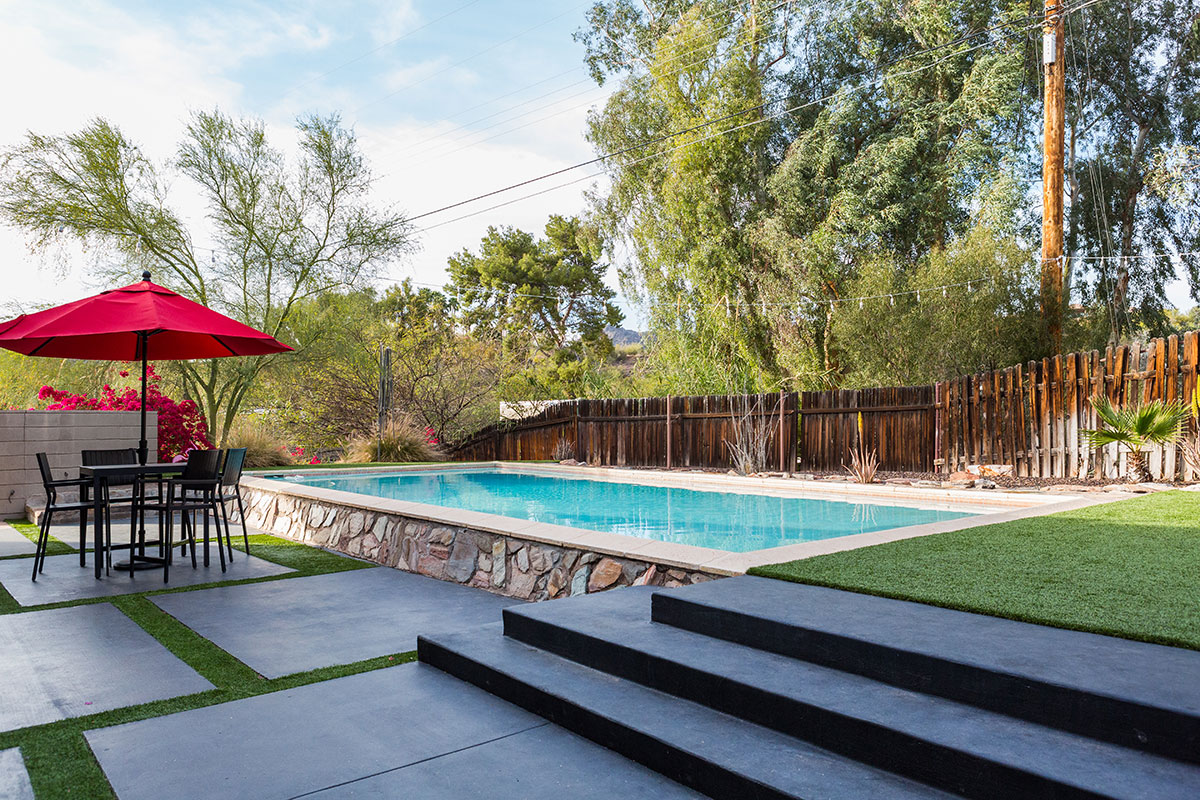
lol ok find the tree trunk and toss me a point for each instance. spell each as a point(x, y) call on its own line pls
point(1137, 466)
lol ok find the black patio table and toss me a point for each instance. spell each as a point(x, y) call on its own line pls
point(101, 475)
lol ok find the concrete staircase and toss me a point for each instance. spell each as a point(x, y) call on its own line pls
point(753, 688)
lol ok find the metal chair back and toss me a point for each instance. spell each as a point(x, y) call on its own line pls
point(105, 458)
point(231, 473)
point(111, 458)
point(43, 462)
point(202, 465)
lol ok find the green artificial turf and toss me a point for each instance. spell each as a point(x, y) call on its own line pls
point(1129, 569)
point(55, 547)
point(59, 761)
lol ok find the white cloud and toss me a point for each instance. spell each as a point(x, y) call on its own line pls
point(146, 75)
point(394, 18)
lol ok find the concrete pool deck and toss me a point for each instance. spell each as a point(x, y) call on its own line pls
point(419, 537)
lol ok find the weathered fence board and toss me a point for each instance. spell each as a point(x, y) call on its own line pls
point(648, 431)
point(898, 424)
point(1031, 417)
point(1034, 419)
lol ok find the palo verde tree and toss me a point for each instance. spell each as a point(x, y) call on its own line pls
point(283, 230)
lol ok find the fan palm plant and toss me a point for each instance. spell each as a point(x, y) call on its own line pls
point(1136, 427)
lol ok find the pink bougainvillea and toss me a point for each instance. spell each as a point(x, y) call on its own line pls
point(181, 425)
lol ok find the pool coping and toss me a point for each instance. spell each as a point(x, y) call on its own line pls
point(1008, 506)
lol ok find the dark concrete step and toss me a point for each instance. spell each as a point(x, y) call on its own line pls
point(954, 746)
point(1139, 695)
point(717, 754)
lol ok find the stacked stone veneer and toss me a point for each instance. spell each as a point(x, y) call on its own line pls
point(501, 563)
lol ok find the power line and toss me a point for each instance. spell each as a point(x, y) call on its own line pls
point(406, 150)
point(700, 126)
point(708, 123)
point(942, 289)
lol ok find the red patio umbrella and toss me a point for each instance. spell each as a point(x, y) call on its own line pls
point(140, 322)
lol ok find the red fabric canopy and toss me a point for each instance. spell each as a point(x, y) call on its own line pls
point(110, 325)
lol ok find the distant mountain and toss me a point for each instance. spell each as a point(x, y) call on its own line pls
point(623, 336)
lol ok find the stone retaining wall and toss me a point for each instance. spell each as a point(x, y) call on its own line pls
point(503, 564)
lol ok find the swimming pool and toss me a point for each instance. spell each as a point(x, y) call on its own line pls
point(731, 521)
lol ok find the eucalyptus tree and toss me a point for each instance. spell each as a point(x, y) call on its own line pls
point(283, 230)
point(764, 153)
point(684, 192)
point(1133, 132)
point(916, 147)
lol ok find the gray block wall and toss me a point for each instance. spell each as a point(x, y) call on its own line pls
point(62, 435)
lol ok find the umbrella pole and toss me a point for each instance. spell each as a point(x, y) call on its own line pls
point(143, 445)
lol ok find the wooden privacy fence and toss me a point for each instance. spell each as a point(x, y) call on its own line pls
point(898, 423)
point(646, 432)
point(1032, 417)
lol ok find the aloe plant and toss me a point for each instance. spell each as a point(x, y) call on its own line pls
point(1136, 427)
point(863, 464)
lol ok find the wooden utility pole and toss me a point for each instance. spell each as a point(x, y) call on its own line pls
point(1054, 105)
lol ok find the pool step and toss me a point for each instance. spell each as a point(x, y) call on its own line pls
point(951, 745)
point(718, 754)
point(1138, 695)
point(767, 708)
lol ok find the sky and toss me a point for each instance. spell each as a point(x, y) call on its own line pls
point(449, 100)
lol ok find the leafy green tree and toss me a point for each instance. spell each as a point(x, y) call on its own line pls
point(745, 233)
point(887, 176)
point(283, 231)
point(971, 307)
point(686, 213)
point(328, 397)
point(537, 296)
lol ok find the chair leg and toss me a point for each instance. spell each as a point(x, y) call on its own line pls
point(166, 540)
point(237, 490)
point(82, 537)
point(204, 511)
point(107, 550)
point(191, 533)
point(217, 522)
point(228, 537)
point(39, 552)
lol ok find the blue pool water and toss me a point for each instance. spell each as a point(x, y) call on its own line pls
point(721, 520)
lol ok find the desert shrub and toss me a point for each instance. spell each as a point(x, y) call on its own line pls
point(564, 449)
point(264, 447)
point(402, 441)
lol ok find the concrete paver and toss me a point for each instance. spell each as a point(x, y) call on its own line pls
point(281, 627)
point(68, 662)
